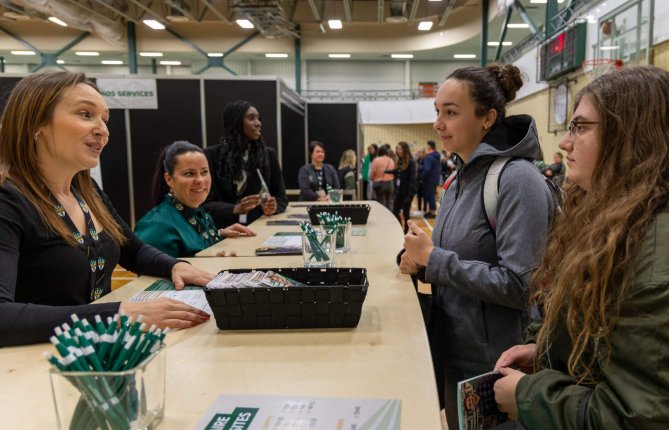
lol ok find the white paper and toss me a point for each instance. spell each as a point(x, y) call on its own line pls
point(195, 298)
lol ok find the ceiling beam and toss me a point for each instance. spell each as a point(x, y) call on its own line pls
point(318, 13)
point(347, 11)
point(117, 11)
point(414, 10)
point(148, 10)
point(380, 12)
point(447, 11)
point(179, 6)
point(85, 6)
point(215, 11)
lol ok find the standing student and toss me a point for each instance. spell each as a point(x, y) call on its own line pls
point(178, 225)
point(480, 268)
point(235, 162)
point(366, 165)
point(599, 359)
point(381, 176)
point(405, 183)
point(60, 237)
point(430, 175)
point(556, 170)
point(346, 170)
point(315, 177)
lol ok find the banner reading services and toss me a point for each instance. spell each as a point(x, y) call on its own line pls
point(129, 93)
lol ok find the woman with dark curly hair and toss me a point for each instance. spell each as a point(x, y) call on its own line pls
point(599, 358)
point(235, 194)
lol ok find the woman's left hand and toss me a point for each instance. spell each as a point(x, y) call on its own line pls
point(505, 391)
point(184, 273)
point(236, 230)
point(418, 245)
point(269, 207)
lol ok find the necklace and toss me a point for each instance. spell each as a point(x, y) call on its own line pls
point(199, 219)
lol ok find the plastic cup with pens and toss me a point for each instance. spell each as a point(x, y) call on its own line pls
point(109, 377)
point(335, 195)
point(318, 246)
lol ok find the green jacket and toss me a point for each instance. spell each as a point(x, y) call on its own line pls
point(634, 392)
point(365, 167)
point(177, 230)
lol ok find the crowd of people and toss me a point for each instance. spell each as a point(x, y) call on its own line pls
point(566, 300)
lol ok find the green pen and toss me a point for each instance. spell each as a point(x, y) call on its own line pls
point(123, 355)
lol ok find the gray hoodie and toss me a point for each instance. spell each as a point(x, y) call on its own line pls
point(479, 277)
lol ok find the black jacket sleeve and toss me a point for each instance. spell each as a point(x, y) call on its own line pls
point(307, 183)
point(220, 210)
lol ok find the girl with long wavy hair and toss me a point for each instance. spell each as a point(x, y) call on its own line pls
point(236, 187)
point(599, 359)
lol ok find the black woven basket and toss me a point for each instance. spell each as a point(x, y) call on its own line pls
point(330, 298)
point(358, 212)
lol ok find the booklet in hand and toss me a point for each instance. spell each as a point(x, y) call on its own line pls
point(477, 409)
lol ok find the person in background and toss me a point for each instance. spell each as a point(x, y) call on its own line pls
point(346, 170)
point(430, 175)
point(390, 152)
point(420, 187)
point(381, 175)
point(178, 225)
point(447, 165)
point(236, 187)
point(366, 164)
point(60, 237)
point(598, 359)
point(405, 184)
point(480, 268)
point(556, 170)
point(315, 177)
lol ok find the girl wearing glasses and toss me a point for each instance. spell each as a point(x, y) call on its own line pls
point(480, 270)
point(599, 359)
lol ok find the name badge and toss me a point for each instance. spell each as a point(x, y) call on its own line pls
point(242, 218)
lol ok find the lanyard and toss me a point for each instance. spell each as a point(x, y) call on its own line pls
point(200, 220)
point(90, 244)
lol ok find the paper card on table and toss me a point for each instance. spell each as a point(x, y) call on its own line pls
point(477, 409)
point(258, 412)
point(286, 239)
point(191, 294)
point(359, 231)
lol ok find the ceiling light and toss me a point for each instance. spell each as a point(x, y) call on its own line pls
point(87, 53)
point(150, 54)
point(154, 24)
point(518, 25)
point(111, 62)
point(335, 24)
point(401, 55)
point(215, 54)
point(339, 55)
point(244, 23)
point(276, 55)
point(434, 0)
point(497, 43)
point(425, 25)
point(23, 52)
point(608, 48)
point(57, 21)
point(60, 61)
point(464, 56)
point(170, 63)
point(538, 1)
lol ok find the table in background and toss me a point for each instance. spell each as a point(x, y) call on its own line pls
point(387, 356)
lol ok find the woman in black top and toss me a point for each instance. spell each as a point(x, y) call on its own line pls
point(315, 177)
point(60, 237)
point(405, 183)
point(236, 193)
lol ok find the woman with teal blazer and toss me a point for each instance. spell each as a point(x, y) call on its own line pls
point(178, 225)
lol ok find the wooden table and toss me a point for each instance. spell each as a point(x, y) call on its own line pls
point(386, 356)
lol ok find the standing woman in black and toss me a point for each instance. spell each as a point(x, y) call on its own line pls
point(234, 163)
point(405, 182)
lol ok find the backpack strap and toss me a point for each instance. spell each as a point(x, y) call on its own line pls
point(490, 190)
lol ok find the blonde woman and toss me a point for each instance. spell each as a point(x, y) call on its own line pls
point(346, 170)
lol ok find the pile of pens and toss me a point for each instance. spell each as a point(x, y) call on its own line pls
point(318, 249)
point(106, 402)
point(333, 221)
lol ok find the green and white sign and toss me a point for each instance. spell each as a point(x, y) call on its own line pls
point(129, 93)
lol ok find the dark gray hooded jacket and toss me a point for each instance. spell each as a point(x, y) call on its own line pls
point(479, 277)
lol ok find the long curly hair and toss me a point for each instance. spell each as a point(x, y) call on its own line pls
point(589, 260)
point(235, 143)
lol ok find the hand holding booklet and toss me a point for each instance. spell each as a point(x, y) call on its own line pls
point(477, 409)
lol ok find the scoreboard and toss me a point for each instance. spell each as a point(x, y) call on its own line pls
point(563, 52)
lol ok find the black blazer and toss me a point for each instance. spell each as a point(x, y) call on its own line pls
point(223, 196)
point(308, 180)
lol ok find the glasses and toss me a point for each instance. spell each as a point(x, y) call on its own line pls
point(575, 127)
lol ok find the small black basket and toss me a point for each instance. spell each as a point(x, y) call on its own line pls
point(329, 298)
point(358, 212)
